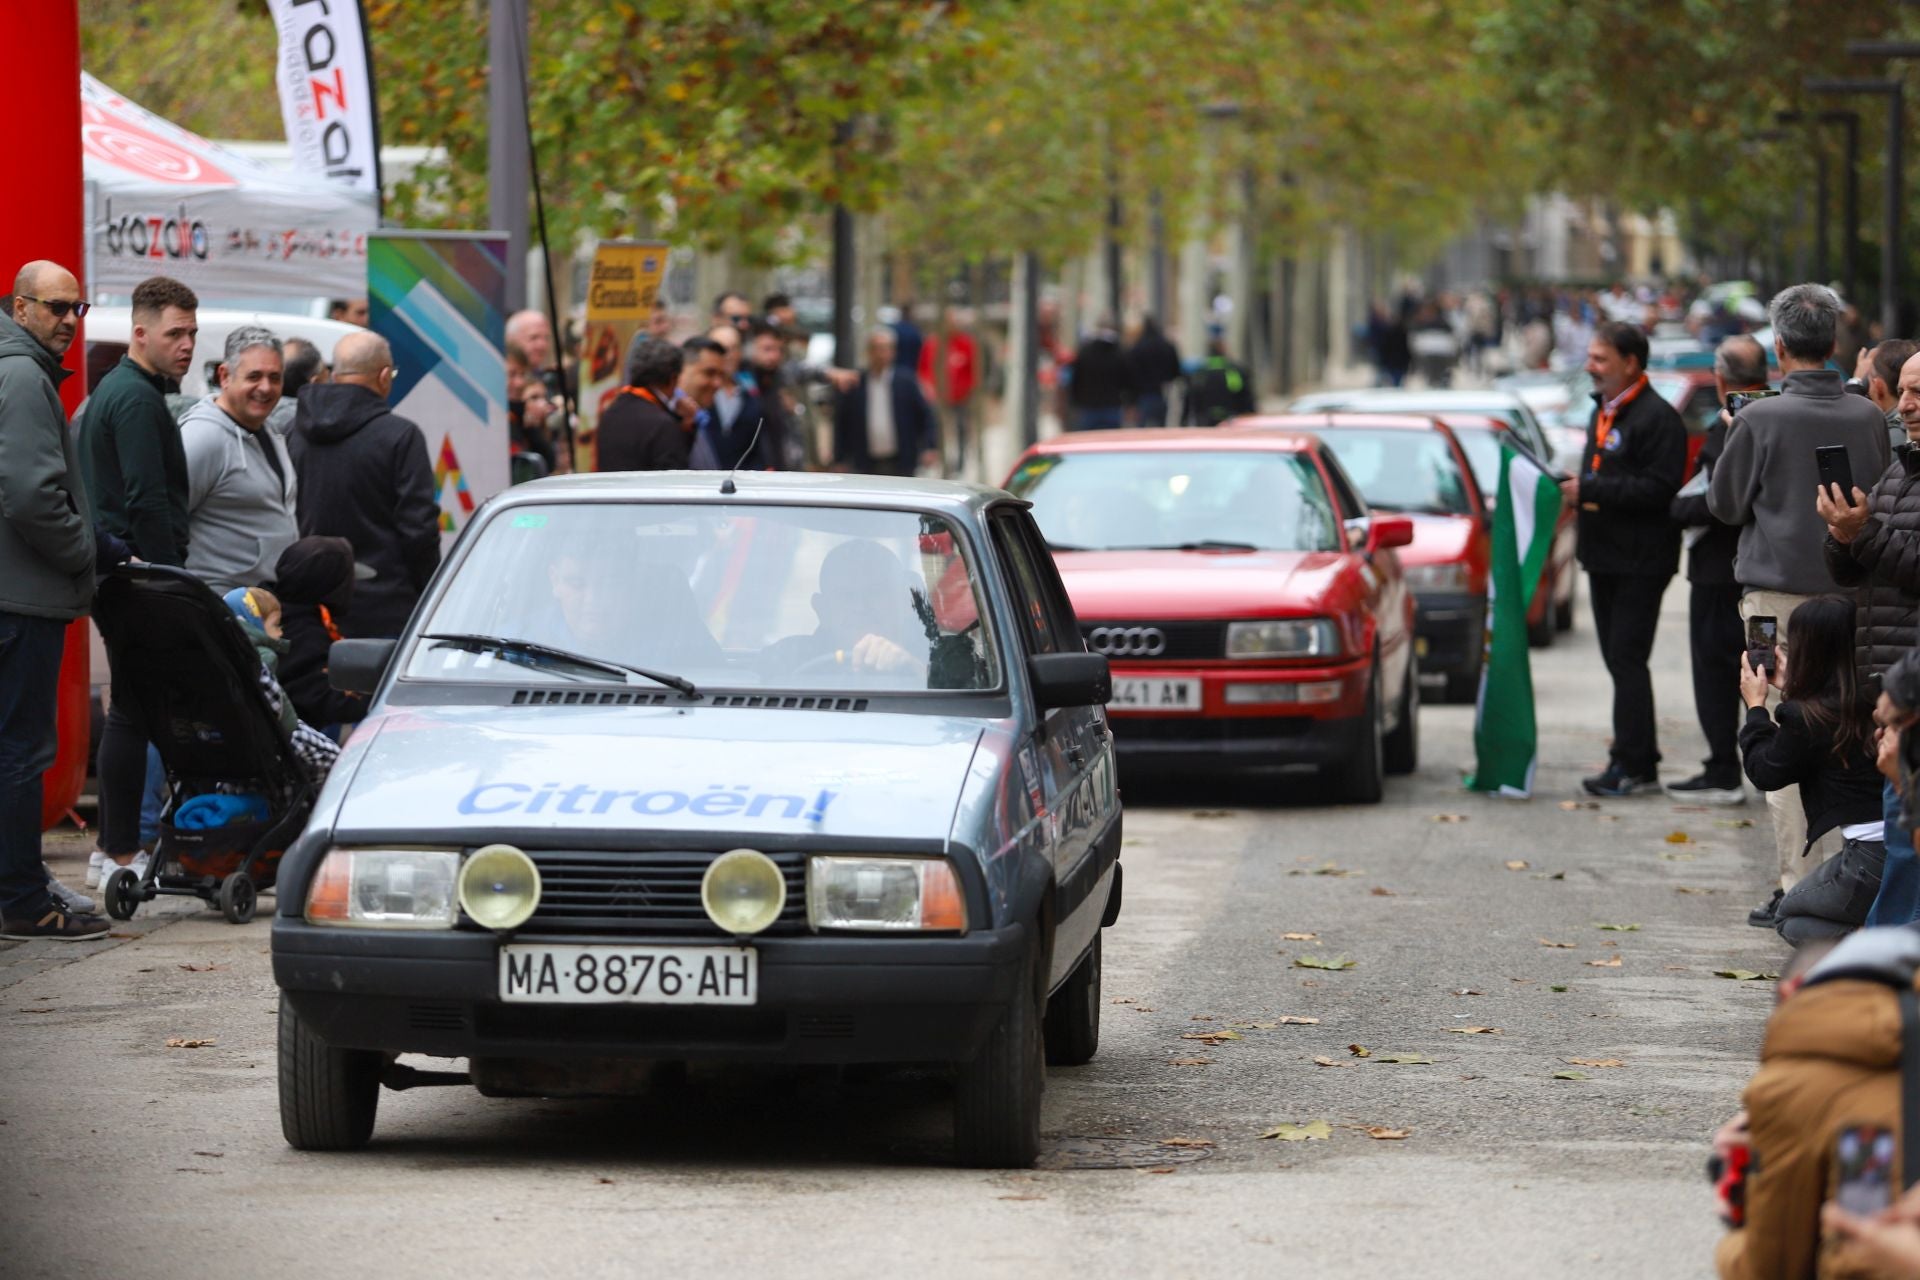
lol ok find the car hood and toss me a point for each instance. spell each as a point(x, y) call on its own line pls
point(1439, 539)
point(468, 772)
point(1197, 584)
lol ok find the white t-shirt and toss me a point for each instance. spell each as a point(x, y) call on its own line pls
point(882, 440)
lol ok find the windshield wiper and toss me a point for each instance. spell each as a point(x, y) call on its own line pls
point(1204, 544)
point(507, 645)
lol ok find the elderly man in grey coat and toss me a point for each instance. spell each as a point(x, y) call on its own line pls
point(241, 490)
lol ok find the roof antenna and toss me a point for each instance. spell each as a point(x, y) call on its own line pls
point(726, 485)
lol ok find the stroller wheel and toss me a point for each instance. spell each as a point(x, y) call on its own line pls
point(122, 893)
point(237, 898)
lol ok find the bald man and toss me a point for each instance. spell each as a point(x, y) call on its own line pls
point(364, 475)
point(46, 581)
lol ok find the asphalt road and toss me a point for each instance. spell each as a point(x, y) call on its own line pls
point(124, 1157)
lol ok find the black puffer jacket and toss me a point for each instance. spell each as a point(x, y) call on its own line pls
point(1882, 567)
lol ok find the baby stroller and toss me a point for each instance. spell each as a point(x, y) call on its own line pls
point(184, 663)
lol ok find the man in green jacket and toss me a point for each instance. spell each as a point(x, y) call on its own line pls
point(136, 471)
point(46, 581)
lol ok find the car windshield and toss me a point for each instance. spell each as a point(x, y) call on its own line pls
point(1260, 500)
point(720, 595)
point(1401, 470)
point(1482, 447)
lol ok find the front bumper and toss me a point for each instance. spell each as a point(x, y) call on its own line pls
point(1261, 735)
point(821, 999)
point(1448, 631)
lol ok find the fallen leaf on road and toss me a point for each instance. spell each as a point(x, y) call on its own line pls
point(1326, 869)
point(202, 968)
point(1677, 857)
point(1122, 1000)
point(1517, 864)
point(1564, 946)
point(1204, 1017)
point(40, 1009)
point(1205, 814)
point(1298, 937)
point(1734, 824)
point(1557, 875)
point(1571, 805)
point(1024, 1197)
point(604, 1182)
point(1359, 1051)
point(1143, 1008)
point(1679, 837)
point(1649, 1111)
point(1687, 888)
point(1316, 962)
point(1609, 817)
point(1311, 1131)
point(1329, 1062)
point(1186, 1142)
point(1379, 892)
point(1406, 1059)
point(1468, 991)
point(1596, 1062)
point(180, 1042)
point(1556, 988)
point(1617, 928)
point(1611, 962)
point(1449, 817)
point(1381, 1133)
point(1675, 968)
point(1571, 1075)
point(1743, 975)
point(1294, 1020)
point(1189, 1062)
point(1211, 1037)
point(1474, 1031)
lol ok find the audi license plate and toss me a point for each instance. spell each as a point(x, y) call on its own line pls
point(1156, 695)
point(544, 974)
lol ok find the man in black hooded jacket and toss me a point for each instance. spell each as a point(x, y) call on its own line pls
point(365, 476)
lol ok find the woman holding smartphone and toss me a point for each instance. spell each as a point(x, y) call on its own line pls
point(1822, 739)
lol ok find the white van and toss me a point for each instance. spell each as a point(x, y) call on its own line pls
point(110, 329)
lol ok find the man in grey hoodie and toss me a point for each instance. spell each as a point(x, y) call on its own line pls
point(46, 581)
point(241, 490)
point(1767, 484)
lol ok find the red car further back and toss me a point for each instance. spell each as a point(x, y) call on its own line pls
point(1552, 607)
point(1253, 609)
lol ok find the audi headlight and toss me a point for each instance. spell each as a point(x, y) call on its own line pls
point(1438, 577)
point(385, 889)
point(1291, 638)
point(888, 894)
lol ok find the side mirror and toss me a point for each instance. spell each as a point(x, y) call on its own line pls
point(1389, 531)
point(1070, 679)
point(356, 666)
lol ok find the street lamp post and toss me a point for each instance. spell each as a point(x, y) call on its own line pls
point(509, 158)
point(1895, 95)
point(1821, 262)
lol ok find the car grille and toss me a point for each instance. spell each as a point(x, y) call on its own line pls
point(592, 892)
point(1123, 641)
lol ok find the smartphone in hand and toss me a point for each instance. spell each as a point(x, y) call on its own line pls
point(1863, 1161)
point(1835, 469)
point(1763, 634)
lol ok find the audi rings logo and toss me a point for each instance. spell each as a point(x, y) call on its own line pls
point(1128, 642)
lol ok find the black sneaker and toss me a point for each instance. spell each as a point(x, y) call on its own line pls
point(1764, 916)
point(57, 925)
point(1615, 782)
point(1702, 789)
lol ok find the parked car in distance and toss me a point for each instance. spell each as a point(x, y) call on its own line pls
point(1562, 451)
point(1551, 608)
point(1415, 467)
point(784, 768)
point(1253, 607)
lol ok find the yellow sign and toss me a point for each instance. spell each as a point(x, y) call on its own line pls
point(621, 295)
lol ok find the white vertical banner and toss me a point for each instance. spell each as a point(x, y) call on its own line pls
point(326, 91)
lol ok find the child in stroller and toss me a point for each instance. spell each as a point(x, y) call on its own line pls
point(240, 789)
point(259, 612)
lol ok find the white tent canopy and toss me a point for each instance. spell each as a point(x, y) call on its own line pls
point(162, 201)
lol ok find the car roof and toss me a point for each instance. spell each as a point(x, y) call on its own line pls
point(816, 488)
point(1335, 420)
point(1169, 439)
point(1408, 400)
point(1475, 422)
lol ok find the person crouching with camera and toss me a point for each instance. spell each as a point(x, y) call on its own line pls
point(1820, 739)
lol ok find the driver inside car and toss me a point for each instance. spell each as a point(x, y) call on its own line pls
point(869, 611)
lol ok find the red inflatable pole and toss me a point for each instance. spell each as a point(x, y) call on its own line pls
point(46, 218)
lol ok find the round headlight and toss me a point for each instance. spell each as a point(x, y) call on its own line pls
point(743, 891)
point(499, 886)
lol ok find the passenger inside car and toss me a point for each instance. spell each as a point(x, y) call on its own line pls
point(641, 613)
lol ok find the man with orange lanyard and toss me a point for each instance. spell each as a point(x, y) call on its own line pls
point(1634, 462)
point(641, 430)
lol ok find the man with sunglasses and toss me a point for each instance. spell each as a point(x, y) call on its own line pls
point(46, 581)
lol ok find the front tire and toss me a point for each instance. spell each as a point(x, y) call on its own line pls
point(1402, 749)
point(1365, 779)
point(328, 1096)
point(1563, 612)
point(996, 1101)
point(1072, 1027)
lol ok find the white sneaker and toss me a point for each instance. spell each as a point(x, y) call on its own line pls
point(95, 875)
point(68, 900)
point(108, 866)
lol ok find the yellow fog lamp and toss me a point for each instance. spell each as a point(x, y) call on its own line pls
point(743, 891)
point(499, 886)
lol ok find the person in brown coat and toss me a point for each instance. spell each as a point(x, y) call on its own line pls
point(1830, 1062)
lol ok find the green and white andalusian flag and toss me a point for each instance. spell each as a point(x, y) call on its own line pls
point(1505, 740)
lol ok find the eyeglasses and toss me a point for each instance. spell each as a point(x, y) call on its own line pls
point(60, 306)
